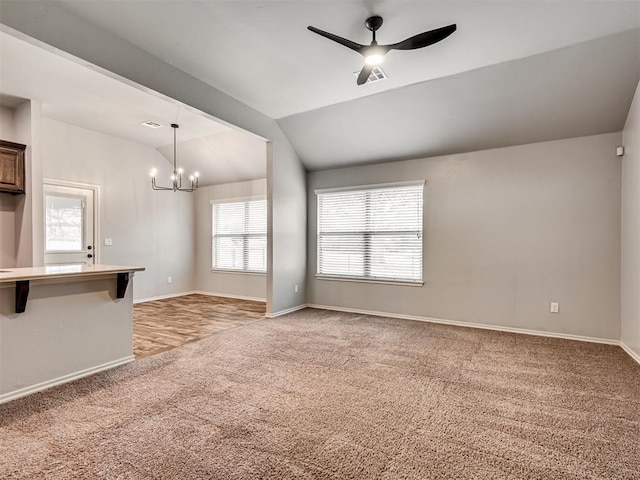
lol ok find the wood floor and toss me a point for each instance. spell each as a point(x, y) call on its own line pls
point(164, 324)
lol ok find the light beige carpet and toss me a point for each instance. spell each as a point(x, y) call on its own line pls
point(323, 395)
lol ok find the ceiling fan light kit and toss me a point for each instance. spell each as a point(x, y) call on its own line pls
point(176, 177)
point(374, 54)
point(373, 59)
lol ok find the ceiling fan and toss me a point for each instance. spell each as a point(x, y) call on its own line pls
point(374, 53)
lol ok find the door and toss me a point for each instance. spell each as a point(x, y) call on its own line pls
point(69, 225)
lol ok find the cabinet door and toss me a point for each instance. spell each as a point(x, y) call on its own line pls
point(11, 167)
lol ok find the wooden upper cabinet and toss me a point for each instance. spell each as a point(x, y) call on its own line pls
point(11, 167)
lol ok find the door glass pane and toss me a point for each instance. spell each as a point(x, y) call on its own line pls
point(63, 232)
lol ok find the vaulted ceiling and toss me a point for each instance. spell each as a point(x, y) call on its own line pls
point(261, 52)
point(513, 72)
point(584, 89)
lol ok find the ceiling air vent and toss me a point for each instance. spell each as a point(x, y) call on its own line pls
point(151, 124)
point(376, 75)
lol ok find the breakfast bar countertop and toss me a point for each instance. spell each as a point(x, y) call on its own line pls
point(8, 275)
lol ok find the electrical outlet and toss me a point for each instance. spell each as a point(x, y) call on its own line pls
point(555, 307)
point(295, 289)
point(169, 280)
point(108, 242)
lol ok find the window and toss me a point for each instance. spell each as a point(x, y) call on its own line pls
point(240, 236)
point(371, 233)
point(63, 223)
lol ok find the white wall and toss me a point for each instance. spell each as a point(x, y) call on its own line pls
point(152, 229)
point(287, 239)
point(7, 231)
point(25, 204)
point(21, 215)
point(506, 232)
point(55, 26)
point(7, 130)
point(30, 209)
point(243, 285)
point(7, 202)
point(631, 229)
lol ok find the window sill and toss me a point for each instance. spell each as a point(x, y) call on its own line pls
point(237, 272)
point(402, 283)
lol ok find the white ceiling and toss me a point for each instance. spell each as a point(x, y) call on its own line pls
point(261, 53)
point(226, 157)
point(79, 95)
point(82, 96)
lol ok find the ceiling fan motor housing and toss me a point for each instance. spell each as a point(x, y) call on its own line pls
point(373, 23)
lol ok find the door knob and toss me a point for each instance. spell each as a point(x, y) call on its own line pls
point(89, 247)
point(89, 255)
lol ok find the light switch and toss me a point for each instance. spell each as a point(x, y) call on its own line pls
point(108, 242)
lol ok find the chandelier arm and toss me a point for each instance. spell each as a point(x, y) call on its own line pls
point(154, 186)
point(194, 186)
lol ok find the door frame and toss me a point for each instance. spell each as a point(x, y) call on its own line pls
point(96, 209)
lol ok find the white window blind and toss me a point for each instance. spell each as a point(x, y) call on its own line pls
point(240, 236)
point(373, 233)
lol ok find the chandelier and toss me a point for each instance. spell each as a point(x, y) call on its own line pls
point(176, 178)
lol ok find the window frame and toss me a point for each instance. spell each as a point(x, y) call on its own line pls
point(367, 259)
point(245, 236)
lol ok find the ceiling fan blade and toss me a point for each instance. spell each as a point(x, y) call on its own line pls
point(364, 74)
point(424, 39)
point(342, 41)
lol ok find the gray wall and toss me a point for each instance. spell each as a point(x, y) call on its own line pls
point(55, 26)
point(151, 229)
point(506, 232)
point(631, 229)
point(21, 243)
point(7, 202)
point(241, 285)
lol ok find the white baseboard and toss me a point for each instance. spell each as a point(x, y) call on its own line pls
point(483, 326)
point(632, 353)
point(6, 397)
point(288, 310)
point(227, 295)
point(162, 297)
